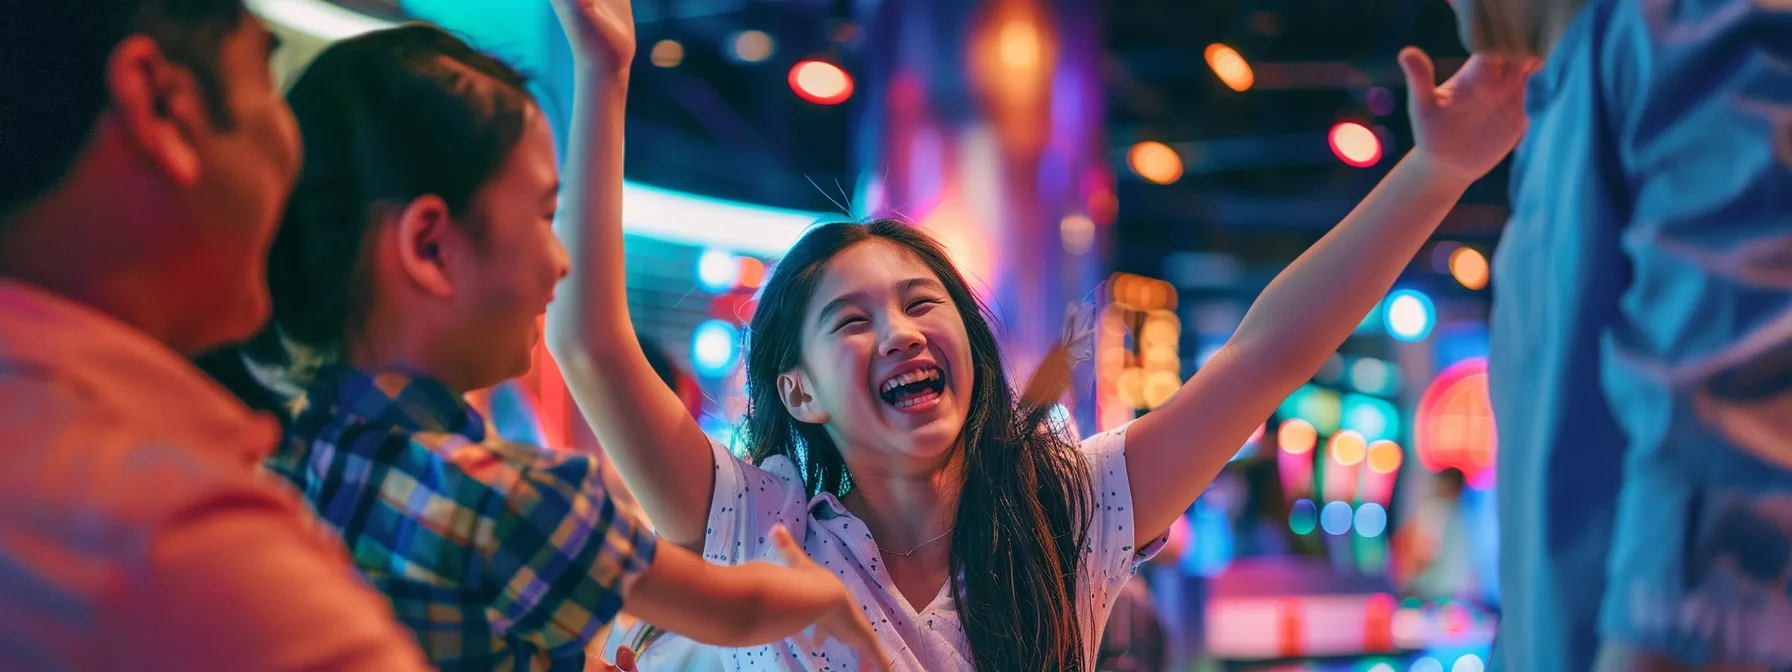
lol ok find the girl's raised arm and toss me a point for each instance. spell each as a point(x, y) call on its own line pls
point(1464, 128)
point(653, 441)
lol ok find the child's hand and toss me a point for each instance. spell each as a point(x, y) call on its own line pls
point(845, 619)
point(1467, 125)
point(601, 31)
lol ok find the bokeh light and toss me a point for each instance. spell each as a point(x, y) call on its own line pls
point(1469, 267)
point(1296, 436)
point(1348, 448)
point(1303, 516)
point(717, 271)
point(1078, 234)
point(752, 273)
point(1409, 315)
point(1376, 419)
point(666, 54)
point(1019, 43)
point(753, 46)
point(1355, 144)
point(1380, 100)
point(1154, 161)
point(1385, 457)
point(715, 347)
point(1160, 386)
point(1427, 664)
point(820, 82)
point(1371, 520)
point(1335, 518)
point(1468, 663)
point(1372, 376)
point(1454, 424)
point(1230, 67)
point(1316, 405)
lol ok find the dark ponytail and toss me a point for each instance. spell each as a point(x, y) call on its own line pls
point(386, 117)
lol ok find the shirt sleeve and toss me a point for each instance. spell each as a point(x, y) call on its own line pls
point(560, 552)
point(1112, 555)
point(237, 581)
point(747, 503)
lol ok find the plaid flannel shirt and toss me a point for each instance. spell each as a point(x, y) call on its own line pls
point(497, 555)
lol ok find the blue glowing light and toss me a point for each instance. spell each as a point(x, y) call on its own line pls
point(715, 347)
point(717, 271)
point(1335, 518)
point(1371, 520)
point(1376, 419)
point(1409, 315)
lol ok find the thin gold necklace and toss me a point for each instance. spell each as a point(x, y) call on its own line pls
point(917, 546)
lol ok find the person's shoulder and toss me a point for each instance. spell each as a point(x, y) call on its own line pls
point(91, 486)
point(64, 445)
point(1105, 445)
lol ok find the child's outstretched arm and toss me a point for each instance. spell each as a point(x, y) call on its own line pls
point(644, 428)
point(752, 603)
point(1464, 128)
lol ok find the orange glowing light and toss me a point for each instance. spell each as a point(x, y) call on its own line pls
point(1385, 457)
point(1231, 68)
point(752, 273)
point(1348, 448)
point(1155, 161)
point(1469, 267)
point(1296, 436)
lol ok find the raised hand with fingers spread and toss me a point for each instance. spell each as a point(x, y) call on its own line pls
point(602, 32)
point(1468, 124)
point(844, 620)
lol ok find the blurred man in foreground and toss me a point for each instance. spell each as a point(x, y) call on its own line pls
point(145, 156)
point(1640, 341)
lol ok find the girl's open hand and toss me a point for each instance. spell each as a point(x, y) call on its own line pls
point(601, 31)
point(1468, 124)
point(844, 620)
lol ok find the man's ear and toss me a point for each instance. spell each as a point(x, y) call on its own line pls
point(159, 105)
point(797, 393)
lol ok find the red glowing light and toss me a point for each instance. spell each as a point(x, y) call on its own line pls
point(1454, 423)
point(820, 82)
point(1355, 144)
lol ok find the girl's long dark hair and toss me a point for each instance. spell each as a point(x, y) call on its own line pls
point(1023, 515)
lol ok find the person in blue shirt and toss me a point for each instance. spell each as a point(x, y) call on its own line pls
point(1641, 364)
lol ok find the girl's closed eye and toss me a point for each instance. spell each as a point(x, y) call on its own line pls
point(922, 306)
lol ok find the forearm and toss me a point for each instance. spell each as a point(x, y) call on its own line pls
point(723, 606)
point(1295, 324)
point(1302, 317)
point(652, 440)
point(590, 314)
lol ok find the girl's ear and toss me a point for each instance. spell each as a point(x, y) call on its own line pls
point(796, 391)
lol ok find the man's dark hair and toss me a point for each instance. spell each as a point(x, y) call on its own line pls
point(53, 56)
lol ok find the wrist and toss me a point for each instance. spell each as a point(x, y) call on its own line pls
point(1441, 174)
point(602, 70)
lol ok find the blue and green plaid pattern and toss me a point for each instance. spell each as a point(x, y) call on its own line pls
point(499, 556)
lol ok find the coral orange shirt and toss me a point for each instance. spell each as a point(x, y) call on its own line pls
point(137, 530)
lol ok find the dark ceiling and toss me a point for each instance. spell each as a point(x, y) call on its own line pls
point(1261, 182)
